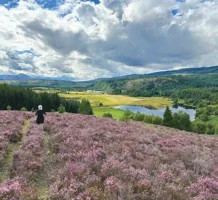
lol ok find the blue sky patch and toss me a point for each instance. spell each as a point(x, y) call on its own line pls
point(48, 4)
point(9, 3)
point(54, 4)
point(29, 51)
point(95, 1)
point(175, 11)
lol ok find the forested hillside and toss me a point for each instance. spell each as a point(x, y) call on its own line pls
point(150, 86)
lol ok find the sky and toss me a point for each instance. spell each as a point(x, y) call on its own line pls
point(88, 39)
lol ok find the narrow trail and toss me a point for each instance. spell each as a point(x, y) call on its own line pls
point(42, 183)
point(12, 147)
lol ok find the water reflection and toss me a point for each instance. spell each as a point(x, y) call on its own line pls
point(160, 113)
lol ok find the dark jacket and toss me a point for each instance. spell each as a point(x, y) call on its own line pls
point(40, 116)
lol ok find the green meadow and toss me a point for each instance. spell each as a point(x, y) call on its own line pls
point(105, 103)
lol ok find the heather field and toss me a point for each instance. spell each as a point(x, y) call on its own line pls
point(89, 158)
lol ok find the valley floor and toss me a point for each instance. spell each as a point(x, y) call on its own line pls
point(110, 101)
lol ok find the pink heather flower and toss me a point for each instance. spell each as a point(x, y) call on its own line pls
point(113, 184)
point(205, 188)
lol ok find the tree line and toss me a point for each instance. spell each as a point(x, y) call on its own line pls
point(179, 120)
point(17, 98)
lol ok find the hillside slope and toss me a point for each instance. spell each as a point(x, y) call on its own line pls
point(143, 86)
point(85, 157)
point(176, 79)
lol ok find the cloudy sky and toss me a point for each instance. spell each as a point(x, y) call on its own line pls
point(104, 38)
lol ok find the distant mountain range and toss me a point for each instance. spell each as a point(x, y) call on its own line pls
point(202, 70)
point(186, 71)
point(24, 77)
point(15, 77)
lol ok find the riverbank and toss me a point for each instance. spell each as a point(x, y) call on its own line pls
point(105, 103)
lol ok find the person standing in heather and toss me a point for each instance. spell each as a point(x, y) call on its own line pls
point(40, 115)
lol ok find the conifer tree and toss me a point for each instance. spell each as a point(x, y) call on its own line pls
point(168, 118)
point(85, 107)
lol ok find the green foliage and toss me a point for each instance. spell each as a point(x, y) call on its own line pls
point(61, 109)
point(182, 121)
point(162, 86)
point(8, 107)
point(108, 115)
point(148, 119)
point(127, 115)
point(23, 109)
point(116, 91)
point(157, 120)
point(168, 118)
point(210, 129)
point(85, 107)
point(18, 97)
point(175, 102)
point(138, 116)
point(199, 127)
point(70, 105)
point(203, 117)
point(216, 112)
point(216, 130)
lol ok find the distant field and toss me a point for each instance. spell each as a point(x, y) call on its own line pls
point(109, 101)
point(116, 100)
point(99, 111)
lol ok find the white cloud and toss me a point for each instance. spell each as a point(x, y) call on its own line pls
point(116, 37)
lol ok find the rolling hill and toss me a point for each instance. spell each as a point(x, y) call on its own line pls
point(86, 157)
point(187, 71)
point(142, 85)
point(15, 77)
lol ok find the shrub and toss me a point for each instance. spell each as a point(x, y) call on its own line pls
point(201, 111)
point(200, 127)
point(210, 129)
point(23, 109)
point(148, 119)
point(108, 115)
point(61, 109)
point(182, 121)
point(216, 130)
point(138, 116)
point(127, 115)
point(8, 107)
point(203, 117)
point(157, 120)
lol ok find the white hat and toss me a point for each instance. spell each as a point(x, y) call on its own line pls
point(40, 107)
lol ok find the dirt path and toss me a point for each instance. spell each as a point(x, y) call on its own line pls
point(42, 183)
point(12, 147)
